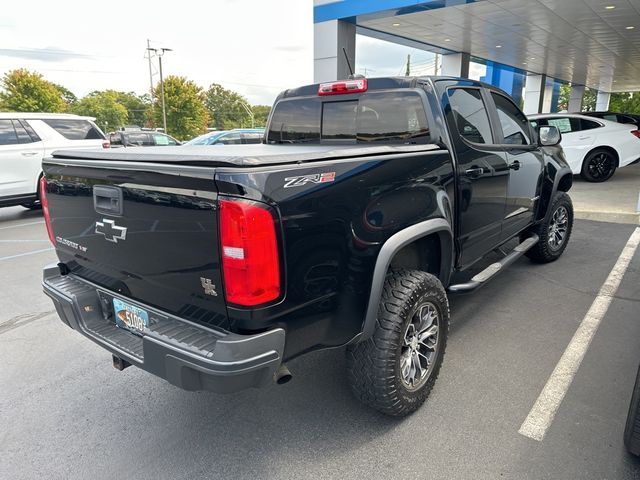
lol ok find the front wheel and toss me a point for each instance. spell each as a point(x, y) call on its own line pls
point(395, 370)
point(632, 427)
point(599, 166)
point(554, 231)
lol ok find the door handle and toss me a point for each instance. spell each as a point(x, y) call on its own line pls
point(515, 165)
point(474, 172)
point(584, 138)
point(29, 154)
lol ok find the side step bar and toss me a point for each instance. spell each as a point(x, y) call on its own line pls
point(492, 270)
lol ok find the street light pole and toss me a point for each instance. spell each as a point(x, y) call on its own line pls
point(160, 53)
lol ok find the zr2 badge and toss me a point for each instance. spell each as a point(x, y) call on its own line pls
point(302, 180)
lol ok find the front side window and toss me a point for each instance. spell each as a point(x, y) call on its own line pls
point(8, 134)
point(515, 126)
point(160, 139)
point(139, 139)
point(73, 129)
point(470, 115)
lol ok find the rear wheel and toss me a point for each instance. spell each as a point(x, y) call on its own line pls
point(599, 165)
point(395, 370)
point(554, 232)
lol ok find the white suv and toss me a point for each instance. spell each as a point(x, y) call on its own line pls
point(25, 138)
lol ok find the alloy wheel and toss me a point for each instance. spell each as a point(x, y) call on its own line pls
point(420, 346)
point(558, 225)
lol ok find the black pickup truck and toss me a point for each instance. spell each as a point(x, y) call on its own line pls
point(211, 268)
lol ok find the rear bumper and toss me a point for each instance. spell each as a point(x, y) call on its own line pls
point(187, 355)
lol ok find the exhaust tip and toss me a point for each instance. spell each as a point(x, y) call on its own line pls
point(282, 375)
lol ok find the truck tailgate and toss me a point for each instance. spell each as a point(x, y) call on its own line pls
point(149, 234)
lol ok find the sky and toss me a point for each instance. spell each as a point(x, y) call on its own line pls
point(255, 47)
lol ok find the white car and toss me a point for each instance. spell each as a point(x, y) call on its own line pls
point(25, 138)
point(593, 147)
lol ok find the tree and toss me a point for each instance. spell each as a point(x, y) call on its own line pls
point(26, 91)
point(137, 106)
point(260, 114)
point(588, 100)
point(109, 113)
point(625, 102)
point(67, 95)
point(225, 108)
point(186, 113)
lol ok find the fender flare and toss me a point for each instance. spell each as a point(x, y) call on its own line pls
point(393, 245)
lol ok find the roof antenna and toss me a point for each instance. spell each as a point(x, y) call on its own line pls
point(346, 57)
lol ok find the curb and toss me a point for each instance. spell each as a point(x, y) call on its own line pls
point(611, 217)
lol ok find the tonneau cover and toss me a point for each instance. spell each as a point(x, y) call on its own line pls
point(237, 155)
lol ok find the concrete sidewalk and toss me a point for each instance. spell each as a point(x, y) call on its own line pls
point(615, 200)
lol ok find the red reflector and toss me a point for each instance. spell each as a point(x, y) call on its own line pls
point(250, 261)
point(45, 209)
point(635, 133)
point(345, 86)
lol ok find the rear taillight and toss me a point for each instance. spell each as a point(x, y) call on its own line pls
point(345, 86)
point(635, 133)
point(106, 144)
point(45, 208)
point(250, 260)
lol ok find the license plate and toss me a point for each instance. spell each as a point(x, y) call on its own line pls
point(130, 317)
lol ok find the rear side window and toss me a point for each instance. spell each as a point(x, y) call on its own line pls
point(7, 133)
point(390, 117)
point(23, 136)
point(612, 117)
point(588, 124)
point(72, 129)
point(139, 139)
point(470, 115)
point(32, 133)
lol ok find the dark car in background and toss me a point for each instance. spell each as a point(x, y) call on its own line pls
point(626, 118)
point(141, 138)
point(238, 136)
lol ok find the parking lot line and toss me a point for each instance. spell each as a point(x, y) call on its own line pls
point(544, 410)
point(21, 225)
point(25, 254)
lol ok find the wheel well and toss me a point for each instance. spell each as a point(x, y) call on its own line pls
point(424, 254)
point(608, 149)
point(565, 183)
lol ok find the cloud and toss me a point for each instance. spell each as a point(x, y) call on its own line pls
point(290, 48)
point(48, 54)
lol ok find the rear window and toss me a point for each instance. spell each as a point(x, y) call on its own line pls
point(389, 117)
point(75, 129)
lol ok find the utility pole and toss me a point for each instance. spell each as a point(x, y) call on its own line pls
point(408, 71)
point(150, 68)
point(160, 53)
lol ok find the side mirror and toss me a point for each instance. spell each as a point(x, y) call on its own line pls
point(549, 136)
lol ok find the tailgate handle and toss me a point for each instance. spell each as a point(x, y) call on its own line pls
point(107, 200)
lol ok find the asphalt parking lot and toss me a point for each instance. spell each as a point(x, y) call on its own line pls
point(66, 413)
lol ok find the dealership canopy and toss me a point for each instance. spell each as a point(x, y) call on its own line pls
point(532, 43)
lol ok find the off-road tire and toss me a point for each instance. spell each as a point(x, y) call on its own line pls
point(599, 155)
point(632, 428)
point(374, 368)
point(543, 252)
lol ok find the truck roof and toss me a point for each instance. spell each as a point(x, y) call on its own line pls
point(237, 155)
point(379, 83)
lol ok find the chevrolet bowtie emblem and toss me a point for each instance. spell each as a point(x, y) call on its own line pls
point(111, 231)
